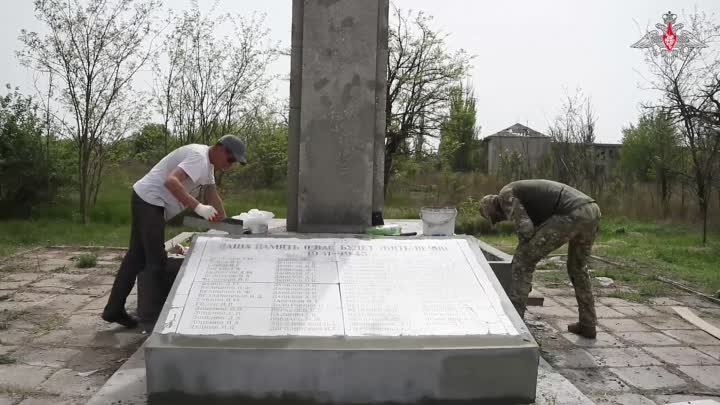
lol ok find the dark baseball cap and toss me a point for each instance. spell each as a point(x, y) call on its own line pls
point(235, 146)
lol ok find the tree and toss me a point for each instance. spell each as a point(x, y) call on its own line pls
point(25, 164)
point(93, 50)
point(573, 133)
point(458, 133)
point(421, 73)
point(689, 84)
point(204, 82)
point(652, 151)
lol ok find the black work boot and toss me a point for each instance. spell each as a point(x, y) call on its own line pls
point(119, 316)
point(585, 331)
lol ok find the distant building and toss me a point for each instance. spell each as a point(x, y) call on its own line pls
point(536, 147)
point(606, 156)
point(519, 139)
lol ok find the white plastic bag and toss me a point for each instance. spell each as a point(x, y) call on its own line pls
point(256, 220)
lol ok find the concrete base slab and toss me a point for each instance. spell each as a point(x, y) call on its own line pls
point(128, 386)
point(339, 319)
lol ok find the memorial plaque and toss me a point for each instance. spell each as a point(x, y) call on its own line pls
point(335, 287)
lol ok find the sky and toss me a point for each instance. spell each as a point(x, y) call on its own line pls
point(529, 54)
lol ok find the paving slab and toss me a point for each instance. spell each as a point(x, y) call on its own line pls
point(23, 376)
point(682, 399)
point(595, 381)
point(667, 322)
point(623, 357)
point(693, 337)
point(708, 376)
point(555, 312)
point(623, 325)
point(11, 286)
point(53, 357)
point(616, 302)
point(36, 299)
point(603, 339)
point(7, 399)
point(15, 337)
point(48, 400)
point(576, 358)
point(67, 382)
point(68, 303)
point(622, 399)
point(694, 301)
point(554, 389)
point(567, 301)
point(547, 302)
point(681, 356)
point(648, 339)
point(100, 280)
point(556, 292)
point(665, 301)
point(603, 311)
point(24, 277)
point(638, 311)
point(96, 305)
point(713, 351)
point(5, 350)
point(649, 378)
point(93, 291)
point(14, 306)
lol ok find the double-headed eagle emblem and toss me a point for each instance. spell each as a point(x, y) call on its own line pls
point(669, 39)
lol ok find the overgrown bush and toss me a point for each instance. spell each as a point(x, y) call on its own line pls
point(29, 172)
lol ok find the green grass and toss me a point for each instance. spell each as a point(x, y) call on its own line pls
point(646, 250)
point(86, 260)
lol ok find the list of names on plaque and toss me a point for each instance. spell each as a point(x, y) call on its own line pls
point(335, 287)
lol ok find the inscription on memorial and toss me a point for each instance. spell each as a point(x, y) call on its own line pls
point(335, 287)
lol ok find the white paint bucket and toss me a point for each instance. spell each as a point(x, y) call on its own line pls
point(438, 221)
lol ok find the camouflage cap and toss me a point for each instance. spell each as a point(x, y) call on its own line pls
point(489, 207)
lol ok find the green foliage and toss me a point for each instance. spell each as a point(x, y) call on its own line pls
point(150, 144)
point(459, 146)
point(651, 149)
point(86, 260)
point(28, 176)
point(266, 146)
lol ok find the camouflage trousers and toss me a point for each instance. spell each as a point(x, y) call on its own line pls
point(578, 229)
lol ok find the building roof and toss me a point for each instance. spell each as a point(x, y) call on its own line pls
point(519, 130)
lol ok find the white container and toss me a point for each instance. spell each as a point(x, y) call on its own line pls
point(256, 220)
point(438, 221)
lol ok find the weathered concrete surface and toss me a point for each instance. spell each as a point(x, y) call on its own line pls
point(128, 386)
point(54, 347)
point(337, 114)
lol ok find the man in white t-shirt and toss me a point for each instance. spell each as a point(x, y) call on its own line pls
point(160, 195)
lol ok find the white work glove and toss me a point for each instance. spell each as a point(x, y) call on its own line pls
point(206, 211)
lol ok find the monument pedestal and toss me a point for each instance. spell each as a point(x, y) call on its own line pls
point(339, 320)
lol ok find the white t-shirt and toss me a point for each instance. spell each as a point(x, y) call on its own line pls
point(193, 159)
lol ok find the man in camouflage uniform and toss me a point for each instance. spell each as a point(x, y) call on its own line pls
point(547, 214)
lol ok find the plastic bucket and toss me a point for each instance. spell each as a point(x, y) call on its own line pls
point(438, 221)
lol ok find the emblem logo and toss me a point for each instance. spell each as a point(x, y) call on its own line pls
point(669, 39)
